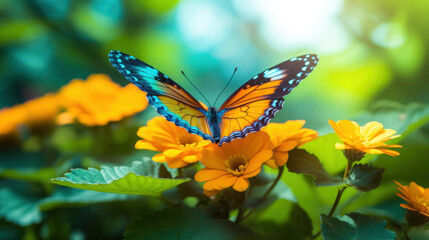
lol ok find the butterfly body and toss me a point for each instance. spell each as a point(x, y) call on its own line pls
point(247, 110)
point(213, 120)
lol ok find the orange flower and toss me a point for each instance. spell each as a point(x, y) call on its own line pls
point(98, 101)
point(367, 139)
point(416, 196)
point(285, 137)
point(40, 113)
point(178, 146)
point(233, 163)
point(37, 114)
point(10, 118)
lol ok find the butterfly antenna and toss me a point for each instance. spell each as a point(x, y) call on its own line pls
point(195, 87)
point(235, 70)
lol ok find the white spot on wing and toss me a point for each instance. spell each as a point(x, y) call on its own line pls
point(278, 77)
point(272, 72)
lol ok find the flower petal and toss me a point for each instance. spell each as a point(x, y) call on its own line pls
point(252, 174)
point(287, 146)
point(176, 162)
point(159, 158)
point(190, 158)
point(257, 161)
point(172, 152)
point(241, 184)
point(371, 129)
point(224, 181)
point(211, 193)
point(211, 159)
point(280, 158)
point(271, 163)
point(142, 144)
point(207, 174)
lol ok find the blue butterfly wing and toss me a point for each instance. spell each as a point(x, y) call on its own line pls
point(257, 101)
point(168, 97)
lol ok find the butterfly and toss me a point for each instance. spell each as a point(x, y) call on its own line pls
point(247, 110)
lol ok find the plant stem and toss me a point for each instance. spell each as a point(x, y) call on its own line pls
point(240, 214)
point(242, 209)
point(348, 167)
point(337, 200)
point(168, 201)
point(180, 172)
point(406, 236)
point(279, 175)
point(339, 194)
point(406, 229)
point(333, 208)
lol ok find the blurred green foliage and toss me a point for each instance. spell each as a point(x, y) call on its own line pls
point(380, 73)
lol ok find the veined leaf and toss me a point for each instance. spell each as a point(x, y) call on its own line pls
point(120, 179)
point(364, 177)
point(300, 161)
point(355, 226)
point(67, 197)
point(21, 210)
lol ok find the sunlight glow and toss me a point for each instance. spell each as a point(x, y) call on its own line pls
point(204, 24)
point(287, 25)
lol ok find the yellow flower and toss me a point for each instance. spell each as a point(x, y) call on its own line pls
point(38, 115)
point(232, 164)
point(367, 139)
point(416, 196)
point(98, 101)
point(178, 146)
point(10, 118)
point(285, 137)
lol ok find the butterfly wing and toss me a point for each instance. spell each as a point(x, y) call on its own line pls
point(257, 101)
point(169, 99)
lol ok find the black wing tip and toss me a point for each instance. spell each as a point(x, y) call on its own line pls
point(113, 53)
point(308, 55)
point(117, 54)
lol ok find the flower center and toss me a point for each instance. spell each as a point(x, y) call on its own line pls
point(236, 164)
point(187, 140)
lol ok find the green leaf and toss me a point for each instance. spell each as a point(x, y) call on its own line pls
point(280, 219)
point(21, 210)
point(280, 191)
point(324, 147)
point(364, 177)
point(41, 175)
point(402, 118)
point(355, 226)
point(184, 223)
point(26, 209)
point(300, 161)
point(263, 178)
point(69, 197)
point(120, 179)
point(334, 228)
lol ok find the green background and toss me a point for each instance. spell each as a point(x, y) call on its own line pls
point(374, 58)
